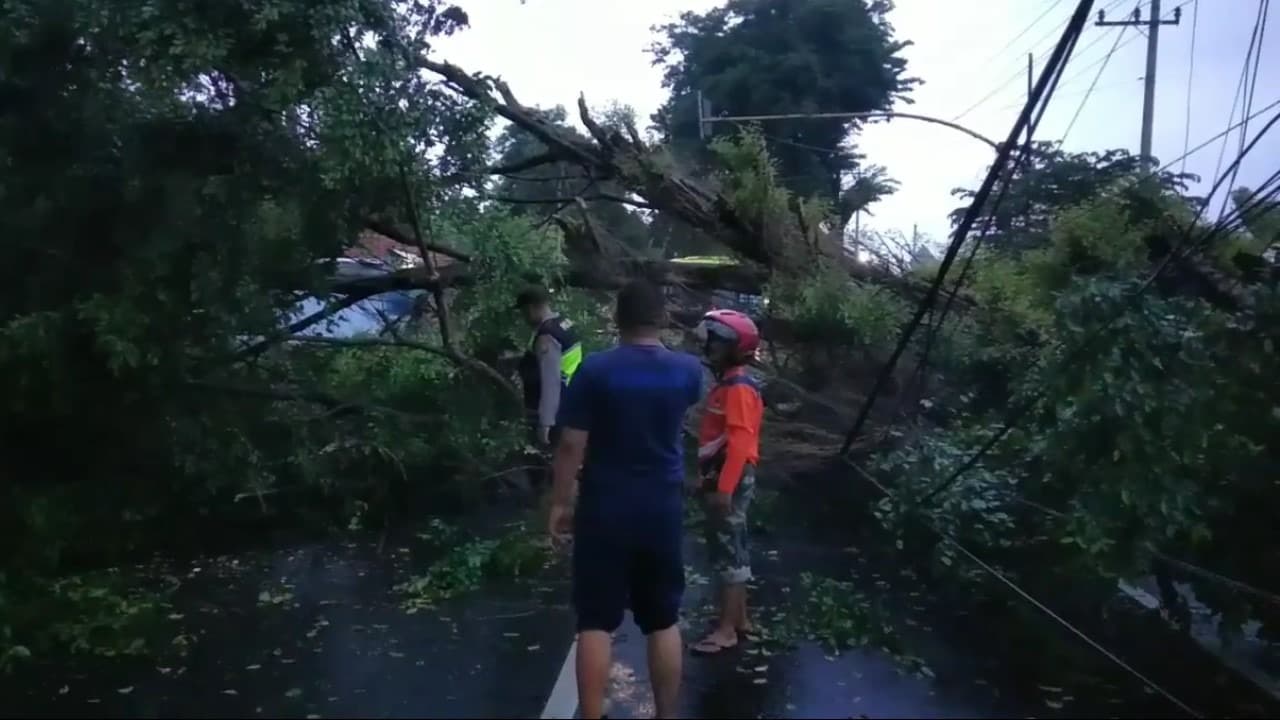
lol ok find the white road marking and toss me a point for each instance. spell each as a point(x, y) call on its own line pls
point(563, 701)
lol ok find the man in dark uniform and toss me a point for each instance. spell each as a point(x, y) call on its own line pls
point(549, 362)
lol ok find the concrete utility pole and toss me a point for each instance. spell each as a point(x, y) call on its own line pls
point(1031, 81)
point(1153, 23)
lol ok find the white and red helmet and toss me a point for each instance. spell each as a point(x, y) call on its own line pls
point(733, 328)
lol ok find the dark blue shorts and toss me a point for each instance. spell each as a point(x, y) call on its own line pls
point(612, 573)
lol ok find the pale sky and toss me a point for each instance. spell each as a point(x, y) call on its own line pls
point(551, 50)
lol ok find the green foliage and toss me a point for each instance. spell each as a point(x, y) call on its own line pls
point(177, 176)
point(1155, 437)
point(831, 316)
point(465, 565)
point(839, 616)
point(829, 307)
point(770, 56)
point(97, 613)
point(1053, 180)
point(507, 254)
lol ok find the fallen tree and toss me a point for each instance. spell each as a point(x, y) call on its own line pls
point(742, 207)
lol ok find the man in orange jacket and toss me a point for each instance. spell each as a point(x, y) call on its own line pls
point(728, 452)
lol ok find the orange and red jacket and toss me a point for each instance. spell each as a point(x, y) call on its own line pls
point(729, 434)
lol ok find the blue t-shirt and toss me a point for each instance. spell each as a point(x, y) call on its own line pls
point(632, 400)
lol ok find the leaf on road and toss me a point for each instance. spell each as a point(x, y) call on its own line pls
point(125, 690)
point(293, 693)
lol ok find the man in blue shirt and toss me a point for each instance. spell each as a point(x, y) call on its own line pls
point(621, 421)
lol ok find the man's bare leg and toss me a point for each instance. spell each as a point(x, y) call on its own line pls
point(595, 651)
point(725, 635)
point(666, 660)
point(743, 623)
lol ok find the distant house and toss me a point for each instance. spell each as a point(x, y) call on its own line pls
point(372, 254)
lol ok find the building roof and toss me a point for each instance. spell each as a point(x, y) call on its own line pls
point(378, 247)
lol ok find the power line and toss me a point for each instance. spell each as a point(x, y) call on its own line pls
point(1231, 128)
point(1041, 92)
point(1260, 32)
point(936, 328)
point(1077, 92)
point(1053, 4)
point(1020, 592)
point(1026, 406)
point(1094, 64)
point(1105, 61)
point(1191, 73)
point(1080, 73)
point(1240, 92)
point(1020, 72)
point(1027, 149)
point(1183, 565)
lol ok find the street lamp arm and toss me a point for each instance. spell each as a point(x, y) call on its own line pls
point(862, 115)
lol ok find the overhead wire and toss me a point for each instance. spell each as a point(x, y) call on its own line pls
point(1041, 90)
point(1105, 61)
point(1048, 9)
point(1240, 92)
point(1126, 43)
point(1189, 568)
point(991, 570)
point(1259, 31)
point(1075, 92)
point(1079, 73)
point(1016, 415)
point(936, 327)
point(1230, 129)
point(1021, 72)
point(1256, 200)
point(1191, 73)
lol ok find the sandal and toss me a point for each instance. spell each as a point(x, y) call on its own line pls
point(711, 645)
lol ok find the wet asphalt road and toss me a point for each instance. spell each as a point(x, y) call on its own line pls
point(314, 631)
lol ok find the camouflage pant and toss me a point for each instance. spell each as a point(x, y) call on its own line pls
point(727, 533)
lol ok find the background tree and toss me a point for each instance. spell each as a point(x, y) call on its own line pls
point(1051, 180)
point(870, 185)
point(754, 57)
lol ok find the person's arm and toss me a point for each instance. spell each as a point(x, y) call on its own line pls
point(571, 449)
point(740, 433)
point(549, 353)
point(575, 423)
